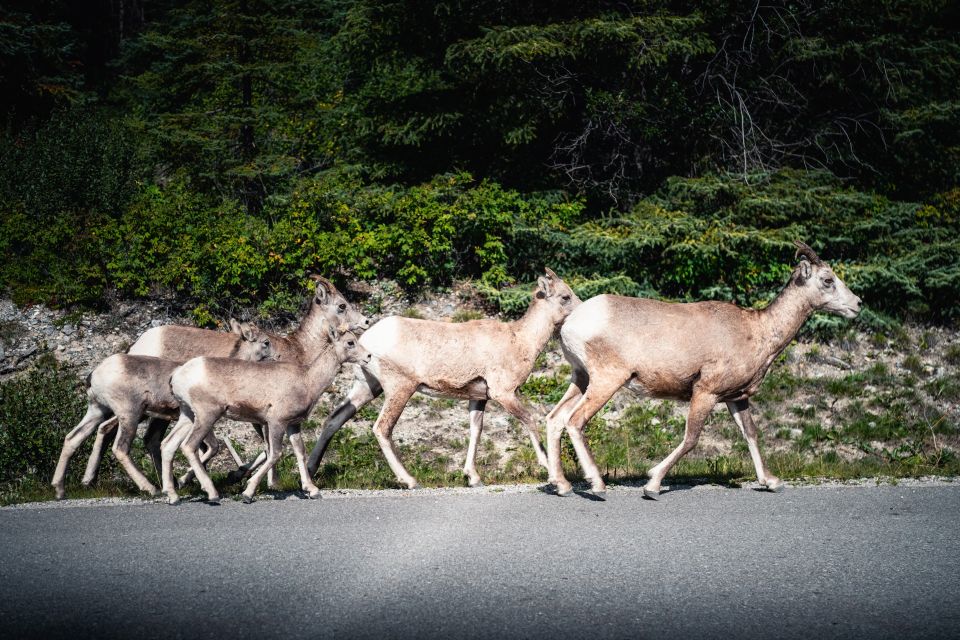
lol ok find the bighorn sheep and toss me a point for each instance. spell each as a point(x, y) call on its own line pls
point(475, 361)
point(704, 352)
point(280, 395)
point(130, 387)
point(181, 343)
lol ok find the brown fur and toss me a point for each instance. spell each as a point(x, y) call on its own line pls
point(180, 344)
point(130, 387)
point(280, 395)
point(704, 352)
point(476, 361)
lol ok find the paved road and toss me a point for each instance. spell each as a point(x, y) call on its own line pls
point(816, 562)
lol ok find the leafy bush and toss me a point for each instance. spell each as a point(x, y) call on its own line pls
point(60, 183)
point(36, 412)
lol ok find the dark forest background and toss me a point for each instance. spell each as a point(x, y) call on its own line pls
point(222, 149)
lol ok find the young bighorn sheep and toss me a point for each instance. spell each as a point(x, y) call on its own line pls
point(180, 344)
point(704, 352)
point(475, 361)
point(280, 395)
point(131, 387)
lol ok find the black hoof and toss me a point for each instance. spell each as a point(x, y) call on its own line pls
point(246, 499)
point(602, 495)
point(651, 495)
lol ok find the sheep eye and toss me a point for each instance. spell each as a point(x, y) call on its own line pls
point(342, 307)
point(828, 282)
point(350, 344)
point(566, 298)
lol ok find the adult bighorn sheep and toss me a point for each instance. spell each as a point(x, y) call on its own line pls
point(475, 361)
point(179, 343)
point(131, 387)
point(704, 352)
point(280, 395)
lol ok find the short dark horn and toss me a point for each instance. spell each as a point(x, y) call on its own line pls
point(321, 280)
point(807, 252)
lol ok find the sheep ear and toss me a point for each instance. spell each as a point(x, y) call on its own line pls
point(249, 331)
point(804, 270)
point(544, 288)
point(325, 288)
point(550, 274)
point(235, 326)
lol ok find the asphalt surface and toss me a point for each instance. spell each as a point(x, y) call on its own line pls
point(812, 562)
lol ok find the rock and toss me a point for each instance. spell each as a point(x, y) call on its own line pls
point(68, 329)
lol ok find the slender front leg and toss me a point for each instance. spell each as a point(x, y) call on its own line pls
point(701, 404)
point(126, 431)
point(104, 431)
point(394, 402)
point(152, 439)
point(596, 395)
point(245, 469)
point(740, 411)
point(211, 447)
point(556, 423)
point(476, 428)
point(300, 452)
point(515, 407)
point(168, 449)
point(202, 427)
point(95, 415)
point(365, 388)
point(275, 438)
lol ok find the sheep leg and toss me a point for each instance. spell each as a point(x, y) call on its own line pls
point(740, 411)
point(515, 407)
point(300, 451)
point(152, 439)
point(701, 404)
point(365, 388)
point(244, 469)
point(126, 431)
point(556, 421)
point(169, 447)
point(597, 394)
point(202, 428)
point(275, 437)
point(104, 431)
point(476, 428)
point(95, 414)
point(210, 448)
point(394, 402)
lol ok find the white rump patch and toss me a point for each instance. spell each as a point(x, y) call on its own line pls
point(149, 344)
point(188, 376)
point(587, 321)
point(383, 337)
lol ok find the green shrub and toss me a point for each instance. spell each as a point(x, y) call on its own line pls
point(60, 184)
point(37, 409)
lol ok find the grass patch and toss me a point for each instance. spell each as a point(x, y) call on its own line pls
point(547, 389)
point(466, 315)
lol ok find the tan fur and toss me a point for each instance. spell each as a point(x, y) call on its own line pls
point(301, 345)
point(178, 343)
point(130, 387)
point(280, 395)
point(476, 361)
point(705, 352)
